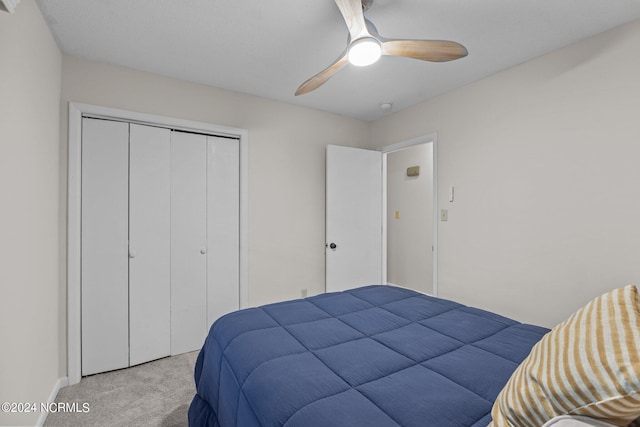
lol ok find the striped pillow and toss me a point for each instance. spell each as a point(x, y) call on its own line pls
point(588, 365)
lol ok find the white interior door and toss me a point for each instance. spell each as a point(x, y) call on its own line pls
point(353, 218)
point(223, 227)
point(149, 243)
point(104, 235)
point(188, 241)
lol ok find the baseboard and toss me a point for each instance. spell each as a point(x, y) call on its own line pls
point(62, 382)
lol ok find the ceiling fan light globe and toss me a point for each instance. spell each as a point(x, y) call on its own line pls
point(364, 51)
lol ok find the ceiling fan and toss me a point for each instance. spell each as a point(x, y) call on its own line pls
point(365, 46)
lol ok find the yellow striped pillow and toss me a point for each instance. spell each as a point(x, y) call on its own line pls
point(588, 365)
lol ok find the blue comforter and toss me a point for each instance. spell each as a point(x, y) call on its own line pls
point(372, 356)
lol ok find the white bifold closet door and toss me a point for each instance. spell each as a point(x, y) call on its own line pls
point(126, 293)
point(188, 241)
point(149, 243)
point(160, 241)
point(105, 269)
point(223, 227)
point(205, 227)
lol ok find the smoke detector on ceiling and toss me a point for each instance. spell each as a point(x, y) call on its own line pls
point(9, 5)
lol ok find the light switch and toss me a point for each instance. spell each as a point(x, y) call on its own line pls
point(397, 214)
point(444, 215)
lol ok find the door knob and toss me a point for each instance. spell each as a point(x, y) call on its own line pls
point(333, 246)
point(203, 251)
point(132, 253)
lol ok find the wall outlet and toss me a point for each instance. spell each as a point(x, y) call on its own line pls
point(303, 293)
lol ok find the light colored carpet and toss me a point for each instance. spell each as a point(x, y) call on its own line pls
point(157, 393)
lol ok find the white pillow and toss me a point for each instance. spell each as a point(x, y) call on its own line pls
point(575, 421)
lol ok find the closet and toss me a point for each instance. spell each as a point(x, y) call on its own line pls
point(159, 240)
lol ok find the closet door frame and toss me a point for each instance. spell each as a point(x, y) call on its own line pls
point(76, 112)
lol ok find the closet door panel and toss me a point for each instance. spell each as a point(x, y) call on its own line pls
point(104, 276)
point(188, 241)
point(149, 243)
point(223, 227)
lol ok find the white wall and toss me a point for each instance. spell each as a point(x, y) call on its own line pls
point(544, 159)
point(30, 65)
point(410, 236)
point(286, 165)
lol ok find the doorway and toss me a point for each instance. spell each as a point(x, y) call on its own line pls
point(410, 207)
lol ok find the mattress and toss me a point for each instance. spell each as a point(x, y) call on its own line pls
point(371, 356)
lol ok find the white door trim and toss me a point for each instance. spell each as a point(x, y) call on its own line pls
point(424, 139)
point(76, 111)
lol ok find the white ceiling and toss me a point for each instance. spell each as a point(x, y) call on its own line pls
point(268, 48)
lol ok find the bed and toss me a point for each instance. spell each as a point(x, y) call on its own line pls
point(371, 356)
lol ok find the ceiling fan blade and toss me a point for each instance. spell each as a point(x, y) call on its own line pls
point(324, 75)
point(354, 17)
point(425, 50)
